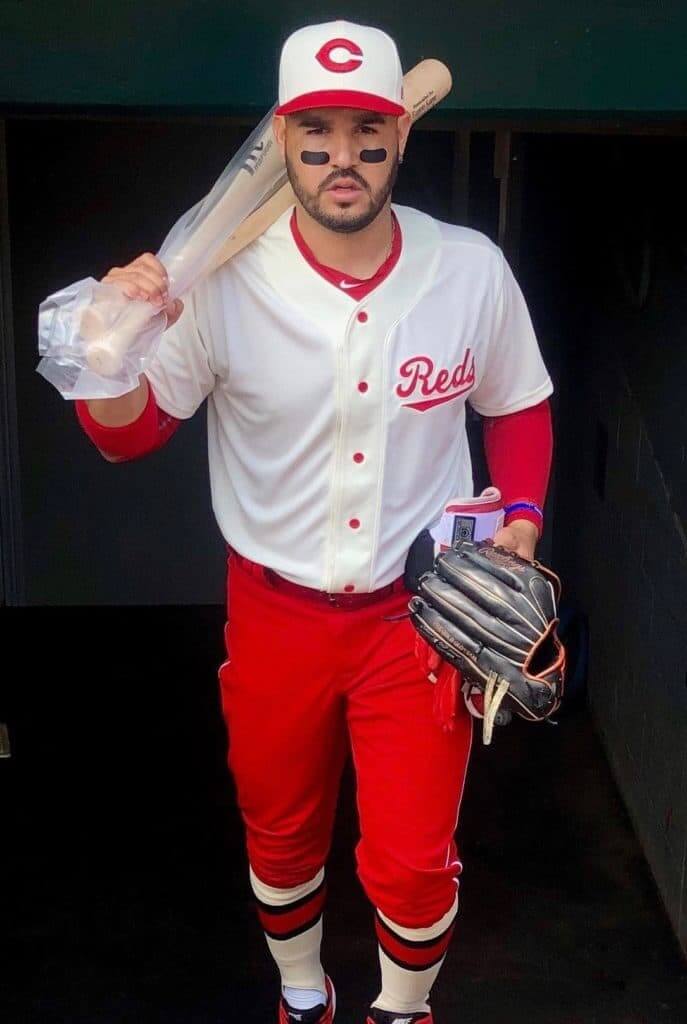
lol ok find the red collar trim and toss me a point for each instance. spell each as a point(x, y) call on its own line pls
point(356, 287)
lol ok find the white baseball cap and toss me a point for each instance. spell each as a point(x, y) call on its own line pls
point(339, 64)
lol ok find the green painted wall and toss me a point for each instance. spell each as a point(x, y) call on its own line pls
point(221, 56)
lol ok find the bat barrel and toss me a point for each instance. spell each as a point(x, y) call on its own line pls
point(425, 85)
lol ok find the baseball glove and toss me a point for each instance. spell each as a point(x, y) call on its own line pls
point(493, 615)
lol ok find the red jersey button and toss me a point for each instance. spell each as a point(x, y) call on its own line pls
point(362, 317)
point(349, 588)
point(363, 386)
point(358, 457)
point(354, 523)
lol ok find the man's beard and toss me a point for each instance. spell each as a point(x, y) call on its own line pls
point(340, 222)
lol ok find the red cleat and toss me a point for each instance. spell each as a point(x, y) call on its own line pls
point(317, 1015)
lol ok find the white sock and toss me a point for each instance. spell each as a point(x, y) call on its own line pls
point(403, 990)
point(303, 998)
point(297, 957)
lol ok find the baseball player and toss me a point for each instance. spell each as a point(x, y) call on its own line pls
point(337, 353)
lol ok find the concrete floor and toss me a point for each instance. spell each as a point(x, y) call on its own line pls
point(125, 897)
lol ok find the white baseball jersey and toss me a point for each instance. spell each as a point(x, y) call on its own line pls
point(336, 428)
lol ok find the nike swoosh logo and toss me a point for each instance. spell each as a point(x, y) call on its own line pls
point(347, 286)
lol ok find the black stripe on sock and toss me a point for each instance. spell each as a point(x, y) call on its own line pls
point(412, 967)
point(283, 936)
point(287, 908)
point(414, 943)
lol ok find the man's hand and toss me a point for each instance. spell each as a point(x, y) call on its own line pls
point(520, 536)
point(146, 278)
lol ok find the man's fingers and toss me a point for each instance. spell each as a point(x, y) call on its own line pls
point(152, 266)
point(141, 275)
point(130, 290)
point(146, 278)
point(174, 311)
point(147, 259)
point(145, 285)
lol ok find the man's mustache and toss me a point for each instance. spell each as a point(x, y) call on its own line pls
point(338, 175)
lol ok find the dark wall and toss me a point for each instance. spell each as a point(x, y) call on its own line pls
point(605, 262)
point(626, 55)
point(615, 212)
point(643, 291)
point(84, 196)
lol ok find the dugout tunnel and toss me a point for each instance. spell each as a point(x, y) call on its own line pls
point(564, 140)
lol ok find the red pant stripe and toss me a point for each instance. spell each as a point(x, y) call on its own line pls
point(412, 955)
point(293, 918)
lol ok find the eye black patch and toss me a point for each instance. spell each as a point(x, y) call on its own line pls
point(373, 156)
point(314, 158)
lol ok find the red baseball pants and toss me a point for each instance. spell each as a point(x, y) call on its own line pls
point(301, 675)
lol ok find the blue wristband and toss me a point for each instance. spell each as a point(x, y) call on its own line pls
point(521, 506)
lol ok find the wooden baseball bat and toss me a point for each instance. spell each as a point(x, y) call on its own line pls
point(424, 86)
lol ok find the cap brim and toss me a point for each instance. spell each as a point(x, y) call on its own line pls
point(341, 98)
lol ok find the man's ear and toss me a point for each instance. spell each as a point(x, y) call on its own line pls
point(279, 130)
point(404, 123)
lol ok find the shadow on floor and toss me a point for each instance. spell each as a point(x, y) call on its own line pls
point(124, 881)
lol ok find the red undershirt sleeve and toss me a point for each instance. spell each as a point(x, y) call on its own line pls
point(519, 449)
point(147, 434)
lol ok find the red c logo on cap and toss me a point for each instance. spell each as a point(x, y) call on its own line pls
point(323, 55)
